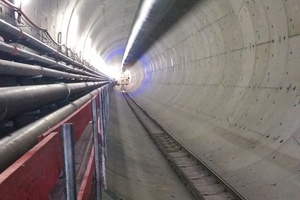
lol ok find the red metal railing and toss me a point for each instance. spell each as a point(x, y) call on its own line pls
point(35, 173)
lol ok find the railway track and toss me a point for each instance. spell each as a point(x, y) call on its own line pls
point(201, 180)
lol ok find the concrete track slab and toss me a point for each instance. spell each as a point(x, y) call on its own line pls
point(136, 169)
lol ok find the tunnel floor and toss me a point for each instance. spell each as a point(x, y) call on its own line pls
point(136, 169)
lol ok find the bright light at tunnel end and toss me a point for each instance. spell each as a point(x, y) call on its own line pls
point(111, 72)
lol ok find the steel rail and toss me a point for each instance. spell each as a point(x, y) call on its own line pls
point(192, 156)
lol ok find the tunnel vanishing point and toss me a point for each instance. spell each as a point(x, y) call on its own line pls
point(223, 76)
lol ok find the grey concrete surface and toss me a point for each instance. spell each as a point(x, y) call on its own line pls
point(226, 83)
point(136, 169)
point(224, 79)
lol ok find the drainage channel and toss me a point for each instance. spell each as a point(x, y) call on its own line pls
point(201, 180)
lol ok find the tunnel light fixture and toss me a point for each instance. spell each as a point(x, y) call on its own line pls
point(141, 18)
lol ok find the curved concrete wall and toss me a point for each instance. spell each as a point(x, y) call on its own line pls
point(225, 80)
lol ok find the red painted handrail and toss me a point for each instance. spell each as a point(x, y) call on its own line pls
point(35, 173)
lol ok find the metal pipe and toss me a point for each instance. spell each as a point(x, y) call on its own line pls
point(32, 97)
point(69, 161)
point(8, 31)
point(20, 69)
point(96, 149)
point(23, 54)
point(19, 142)
point(148, 15)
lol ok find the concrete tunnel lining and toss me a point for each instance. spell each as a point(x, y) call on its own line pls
point(224, 80)
point(228, 93)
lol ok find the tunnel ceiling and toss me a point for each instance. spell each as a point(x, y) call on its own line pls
point(106, 23)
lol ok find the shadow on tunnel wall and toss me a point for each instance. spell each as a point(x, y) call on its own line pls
point(172, 17)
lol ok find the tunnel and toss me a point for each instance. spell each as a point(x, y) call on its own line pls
point(220, 75)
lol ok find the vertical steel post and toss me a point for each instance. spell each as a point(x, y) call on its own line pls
point(102, 138)
point(69, 161)
point(101, 116)
point(106, 120)
point(96, 149)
